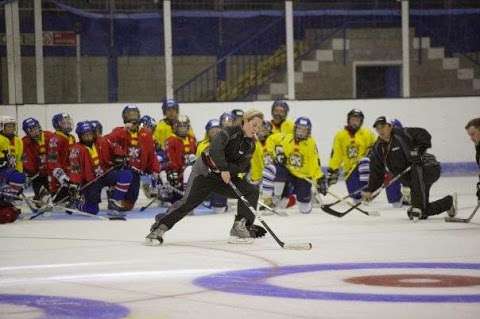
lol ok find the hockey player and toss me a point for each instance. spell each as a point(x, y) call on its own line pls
point(217, 202)
point(473, 130)
point(237, 116)
point(211, 129)
point(86, 166)
point(57, 153)
point(297, 165)
point(164, 128)
point(260, 156)
point(35, 143)
point(148, 123)
point(397, 149)
point(180, 149)
point(134, 146)
point(229, 154)
point(98, 128)
point(226, 119)
point(12, 179)
point(280, 123)
point(350, 145)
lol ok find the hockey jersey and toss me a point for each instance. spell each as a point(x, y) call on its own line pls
point(177, 149)
point(11, 152)
point(85, 164)
point(164, 130)
point(138, 147)
point(302, 158)
point(286, 127)
point(348, 149)
point(35, 154)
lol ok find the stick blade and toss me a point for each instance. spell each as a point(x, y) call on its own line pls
point(298, 246)
point(456, 220)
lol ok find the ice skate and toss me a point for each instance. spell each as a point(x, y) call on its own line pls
point(414, 214)
point(155, 238)
point(452, 211)
point(239, 234)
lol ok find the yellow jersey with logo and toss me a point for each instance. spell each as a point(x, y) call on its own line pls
point(348, 149)
point(302, 158)
point(11, 152)
point(285, 128)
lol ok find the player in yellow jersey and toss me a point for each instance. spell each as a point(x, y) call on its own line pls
point(297, 164)
point(351, 146)
point(260, 156)
point(280, 123)
point(164, 128)
point(12, 179)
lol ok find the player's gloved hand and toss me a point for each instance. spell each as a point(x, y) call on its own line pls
point(174, 179)
point(416, 157)
point(256, 231)
point(61, 177)
point(322, 186)
point(280, 158)
point(332, 176)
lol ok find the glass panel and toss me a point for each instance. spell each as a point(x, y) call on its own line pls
point(445, 48)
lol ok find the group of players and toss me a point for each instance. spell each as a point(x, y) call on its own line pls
point(284, 164)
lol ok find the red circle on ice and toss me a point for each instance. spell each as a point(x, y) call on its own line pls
point(415, 280)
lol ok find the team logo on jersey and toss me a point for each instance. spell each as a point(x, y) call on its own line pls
point(98, 171)
point(133, 152)
point(296, 160)
point(53, 142)
point(74, 153)
point(352, 151)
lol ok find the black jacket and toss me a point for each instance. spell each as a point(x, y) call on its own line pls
point(231, 150)
point(477, 156)
point(394, 155)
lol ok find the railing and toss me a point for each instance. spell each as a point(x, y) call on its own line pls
point(206, 85)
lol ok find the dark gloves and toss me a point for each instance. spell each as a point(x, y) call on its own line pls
point(257, 231)
point(322, 186)
point(332, 176)
point(174, 179)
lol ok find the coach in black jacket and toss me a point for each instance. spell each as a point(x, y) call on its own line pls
point(473, 130)
point(395, 150)
point(228, 156)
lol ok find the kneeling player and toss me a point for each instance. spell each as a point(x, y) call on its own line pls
point(297, 166)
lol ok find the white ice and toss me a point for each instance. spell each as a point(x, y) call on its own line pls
point(106, 261)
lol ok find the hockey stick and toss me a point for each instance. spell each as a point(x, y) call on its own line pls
point(463, 220)
point(283, 214)
point(51, 201)
point(331, 211)
point(300, 246)
point(354, 206)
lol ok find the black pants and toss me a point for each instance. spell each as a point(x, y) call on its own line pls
point(200, 185)
point(421, 180)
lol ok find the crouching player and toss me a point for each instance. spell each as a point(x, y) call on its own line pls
point(88, 173)
point(297, 166)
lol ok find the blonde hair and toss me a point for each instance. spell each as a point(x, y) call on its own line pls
point(251, 114)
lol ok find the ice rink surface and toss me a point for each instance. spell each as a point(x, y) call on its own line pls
point(360, 267)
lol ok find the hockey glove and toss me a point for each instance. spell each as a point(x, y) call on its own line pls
point(256, 231)
point(322, 186)
point(61, 177)
point(332, 176)
point(416, 157)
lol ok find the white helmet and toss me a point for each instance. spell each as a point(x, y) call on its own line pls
point(5, 119)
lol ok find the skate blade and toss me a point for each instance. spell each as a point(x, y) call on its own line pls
point(152, 242)
point(238, 240)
